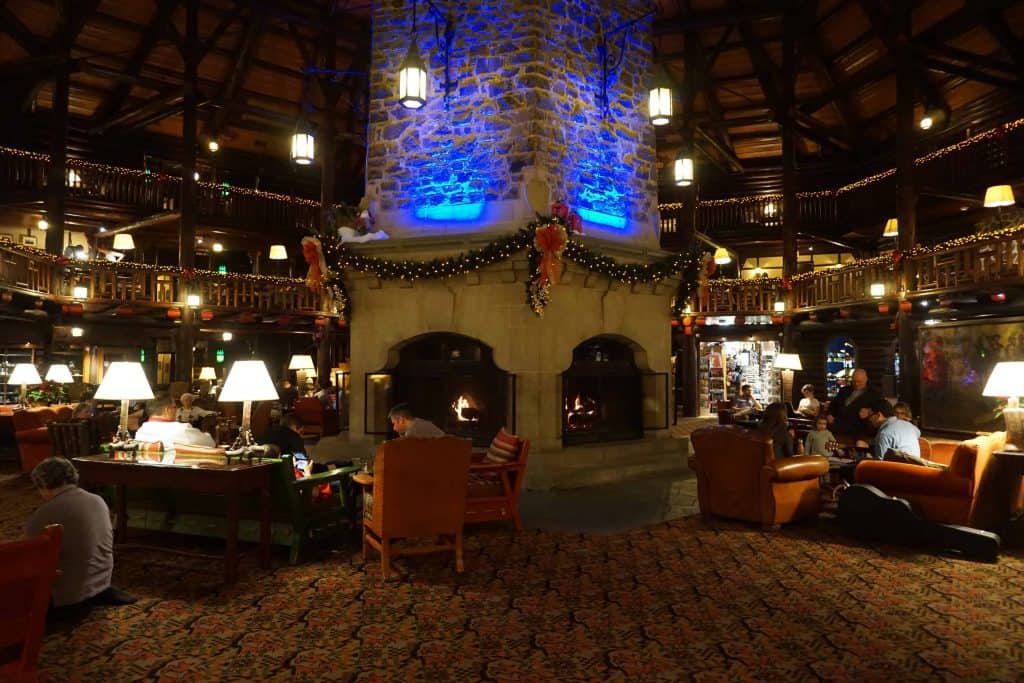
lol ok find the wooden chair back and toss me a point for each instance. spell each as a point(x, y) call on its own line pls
point(69, 439)
point(27, 571)
point(494, 488)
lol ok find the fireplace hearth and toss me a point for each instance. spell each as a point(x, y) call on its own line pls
point(602, 396)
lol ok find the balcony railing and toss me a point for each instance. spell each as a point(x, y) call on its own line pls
point(25, 173)
point(37, 272)
point(961, 264)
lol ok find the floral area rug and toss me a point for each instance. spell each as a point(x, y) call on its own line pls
point(683, 600)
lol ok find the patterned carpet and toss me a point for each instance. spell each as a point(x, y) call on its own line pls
point(683, 600)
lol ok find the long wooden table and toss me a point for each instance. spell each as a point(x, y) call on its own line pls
point(233, 481)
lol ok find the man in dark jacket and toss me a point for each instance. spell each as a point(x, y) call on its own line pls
point(287, 435)
point(849, 411)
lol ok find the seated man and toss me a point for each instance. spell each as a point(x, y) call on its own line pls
point(162, 426)
point(896, 439)
point(408, 426)
point(188, 412)
point(87, 546)
point(286, 435)
point(745, 402)
point(849, 411)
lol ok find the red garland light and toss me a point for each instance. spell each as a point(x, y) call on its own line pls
point(174, 313)
point(206, 315)
point(687, 321)
point(700, 322)
point(883, 307)
point(998, 297)
point(688, 331)
point(906, 305)
point(674, 322)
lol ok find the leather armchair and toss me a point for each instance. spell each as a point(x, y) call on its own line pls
point(961, 494)
point(31, 434)
point(738, 477)
point(417, 491)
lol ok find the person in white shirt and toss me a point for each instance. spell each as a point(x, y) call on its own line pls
point(188, 412)
point(161, 426)
point(809, 406)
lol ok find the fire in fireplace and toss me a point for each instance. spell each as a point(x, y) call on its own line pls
point(601, 394)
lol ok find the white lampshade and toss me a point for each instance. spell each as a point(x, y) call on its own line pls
point(1006, 380)
point(24, 373)
point(123, 240)
point(722, 256)
point(80, 292)
point(779, 306)
point(301, 362)
point(999, 195)
point(788, 361)
point(208, 373)
point(278, 253)
point(248, 380)
point(59, 373)
point(194, 300)
point(124, 380)
point(892, 228)
point(877, 289)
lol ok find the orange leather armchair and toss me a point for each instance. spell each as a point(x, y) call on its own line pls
point(418, 491)
point(961, 494)
point(738, 477)
point(311, 412)
point(31, 434)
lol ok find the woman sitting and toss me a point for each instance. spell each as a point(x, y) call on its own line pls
point(775, 424)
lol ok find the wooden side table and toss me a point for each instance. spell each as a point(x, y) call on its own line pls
point(1006, 496)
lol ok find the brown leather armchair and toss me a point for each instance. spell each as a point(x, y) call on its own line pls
point(418, 491)
point(738, 477)
point(962, 494)
point(31, 434)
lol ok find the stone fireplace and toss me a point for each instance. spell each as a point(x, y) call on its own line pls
point(523, 126)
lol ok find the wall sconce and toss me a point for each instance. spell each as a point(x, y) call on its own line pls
point(227, 336)
point(76, 331)
point(610, 66)
point(213, 146)
point(217, 247)
point(412, 74)
point(43, 224)
point(780, 306)
point(682, 171)
point(123, 240)
point(660, 98)
point(877, 290)
point(892, 228)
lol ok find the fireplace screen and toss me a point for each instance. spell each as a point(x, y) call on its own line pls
point(450, 380)
point(602, 394)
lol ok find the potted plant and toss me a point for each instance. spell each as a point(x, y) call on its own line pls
point(45, 394)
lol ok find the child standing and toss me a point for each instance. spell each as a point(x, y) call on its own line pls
point(817, 441)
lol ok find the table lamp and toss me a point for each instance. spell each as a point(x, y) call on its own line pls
point(1007, 380)
point(59, 373)
point(24, 374)
point(302, 363)
point(247, 381)
point(787, 363)
point(124, 381)
point(208, 373)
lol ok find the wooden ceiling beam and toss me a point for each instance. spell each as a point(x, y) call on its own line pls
point(969, 58)
point(1010, 43)
point(168, 98)
point(243, 60)
point(698, 21)
point(147, 41)
point(970, 73)
point(733, 161)
point(218, 32)
point(21, 34)
point(823, 69)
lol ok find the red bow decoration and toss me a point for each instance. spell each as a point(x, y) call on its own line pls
point(550, 241)
point(313, 253)
point(576, 223)
point(897, 257)
point(188, 274)
point(560, 210)
point(787, 284)
point(63, 260)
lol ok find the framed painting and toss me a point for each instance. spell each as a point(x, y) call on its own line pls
point(956, 360)
point(29, 240)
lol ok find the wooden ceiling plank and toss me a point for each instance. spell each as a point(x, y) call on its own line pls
point(969, 58)
point(168, 98)
point(243, 60)
point(823, 71)
point(695, 22)
point(154, 30)
point(218, 32)
point(969, 73)
point(1010, 43)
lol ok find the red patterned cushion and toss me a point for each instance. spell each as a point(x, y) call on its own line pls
point(504, 448)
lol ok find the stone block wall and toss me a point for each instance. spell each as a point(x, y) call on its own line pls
point(524, 104)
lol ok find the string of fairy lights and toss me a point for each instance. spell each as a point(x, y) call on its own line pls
point(963, 145)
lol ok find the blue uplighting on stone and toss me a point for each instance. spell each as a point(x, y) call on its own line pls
point(451, 212)
point(591, 216)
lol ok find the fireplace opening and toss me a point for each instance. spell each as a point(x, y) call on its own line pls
point(602, 394)
point(452, 380)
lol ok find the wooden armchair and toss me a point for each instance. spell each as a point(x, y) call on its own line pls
point(417, 491)
point(494, 487)
point(27, 571)
point(315, 516)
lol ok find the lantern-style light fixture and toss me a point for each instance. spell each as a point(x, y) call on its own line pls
point(123, 240)
point(999, 195)
point(892, 228)
point(660, 98)
point(412, 77)
point(303, 147)
point(683, 170)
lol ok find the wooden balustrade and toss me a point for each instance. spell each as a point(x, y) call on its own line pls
point(993, 260)
point(729, 297)
point(25, 174)
point(35, 272)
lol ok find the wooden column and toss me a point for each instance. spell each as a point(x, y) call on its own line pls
point(56, 184)
point(187, 227)
point(907, 202)
point(790, 210)
point(687, 219)
point(689, 359)
point(331, 92)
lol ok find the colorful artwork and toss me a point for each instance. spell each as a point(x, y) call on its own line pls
point(956, 360)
